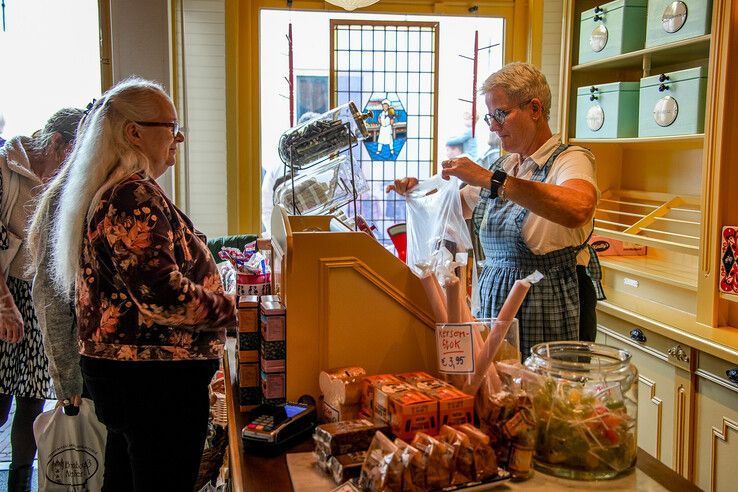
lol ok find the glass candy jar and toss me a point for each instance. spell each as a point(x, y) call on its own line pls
point(333, 131)
point(586, 411)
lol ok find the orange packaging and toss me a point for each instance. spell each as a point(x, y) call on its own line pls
point(382, 394)
point(368, 385)
point(412, 411)
point(454, 406)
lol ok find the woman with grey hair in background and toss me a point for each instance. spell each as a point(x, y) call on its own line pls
point(25, 165)
point(533, 210)
point(151, 312)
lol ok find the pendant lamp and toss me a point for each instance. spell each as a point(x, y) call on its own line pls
point(352, 4)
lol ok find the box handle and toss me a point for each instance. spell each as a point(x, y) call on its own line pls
point(732, 375)
point(638, 335)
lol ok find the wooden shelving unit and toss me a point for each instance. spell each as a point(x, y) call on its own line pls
point(688, 49)
point(659, 270)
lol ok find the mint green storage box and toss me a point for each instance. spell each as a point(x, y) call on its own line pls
point(608, 110)
point(673, 20)
point(673, 103)
point(612, 29)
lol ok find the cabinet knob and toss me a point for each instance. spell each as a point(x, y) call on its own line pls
point(678, 353)
point(663, 87)
point(598, 18)
point(592, 89)
point(663, 77)
point(638, 335)
point(592, 97)
point(732, 375)
point(598, 10)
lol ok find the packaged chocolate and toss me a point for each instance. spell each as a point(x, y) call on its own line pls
point(463, 453)
point(485, 461)
point(439, 460)
point(413, 462)
point(382, 469)
point(329, 413)
point(410, 411)
point(322, 458)
point(347, 436)
point(346, 466)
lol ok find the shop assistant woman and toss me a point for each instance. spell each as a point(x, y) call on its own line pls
point(150, 308)
point(533, 210)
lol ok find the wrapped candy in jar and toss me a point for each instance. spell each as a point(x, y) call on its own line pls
point(586, 411)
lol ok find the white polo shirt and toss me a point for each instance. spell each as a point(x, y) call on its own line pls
point(541, 235)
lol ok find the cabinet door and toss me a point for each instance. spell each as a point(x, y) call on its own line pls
point(663, 398)
point(716, 407)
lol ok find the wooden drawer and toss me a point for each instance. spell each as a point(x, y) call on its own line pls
point(645, 340)
point(718, 371)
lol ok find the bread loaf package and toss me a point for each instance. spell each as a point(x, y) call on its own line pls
point(485, 461)
point(382, 469)
point(463, 453)
point(439, 460)
point(413, 462)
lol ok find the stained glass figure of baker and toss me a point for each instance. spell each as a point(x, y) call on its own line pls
point(386, 120)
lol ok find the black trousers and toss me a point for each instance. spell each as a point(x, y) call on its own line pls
point(156, 413)
point(587, 306)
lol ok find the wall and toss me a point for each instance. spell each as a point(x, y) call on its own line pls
point(553, 26)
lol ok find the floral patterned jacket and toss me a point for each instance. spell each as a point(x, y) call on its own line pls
point(148, 288)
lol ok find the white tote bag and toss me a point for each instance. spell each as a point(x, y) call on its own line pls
point(71, 450)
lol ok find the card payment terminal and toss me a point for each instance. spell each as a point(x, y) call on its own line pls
point(274, 425)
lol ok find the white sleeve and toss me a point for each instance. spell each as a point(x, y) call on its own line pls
point(575, 163)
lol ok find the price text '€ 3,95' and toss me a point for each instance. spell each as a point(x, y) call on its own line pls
point(455, 346)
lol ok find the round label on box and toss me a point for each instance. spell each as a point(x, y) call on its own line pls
point(595, 118)
point(665, 111)
point(598, 38)
point(674, 16)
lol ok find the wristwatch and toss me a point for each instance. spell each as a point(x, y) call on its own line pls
point(496, 182)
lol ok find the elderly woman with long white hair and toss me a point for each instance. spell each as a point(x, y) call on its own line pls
point(151, 312)
point(533, 210)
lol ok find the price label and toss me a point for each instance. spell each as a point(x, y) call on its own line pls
point(455, 345)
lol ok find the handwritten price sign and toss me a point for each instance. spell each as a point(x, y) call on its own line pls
point(455, 349)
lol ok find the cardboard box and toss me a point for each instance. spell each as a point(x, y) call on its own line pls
point(330, 413)
point(382, 395)
point(248, 375)
point(273, 386)
point(411, 411)
point(248, 314)
point(454, 406)
point(605, 246)
point(368, 386)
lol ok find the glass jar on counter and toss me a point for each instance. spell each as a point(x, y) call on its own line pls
point(586, 410)
point(325, 135)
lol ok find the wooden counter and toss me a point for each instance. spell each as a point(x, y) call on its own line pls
point(254, 473)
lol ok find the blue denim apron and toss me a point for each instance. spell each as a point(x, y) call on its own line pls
point(550, 311)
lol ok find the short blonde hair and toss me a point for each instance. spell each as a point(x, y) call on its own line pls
point(521, 82)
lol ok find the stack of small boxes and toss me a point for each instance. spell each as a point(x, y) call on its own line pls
point(248, 352)
point(273, 321)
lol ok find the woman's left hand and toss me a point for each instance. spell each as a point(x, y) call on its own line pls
point(467, 171)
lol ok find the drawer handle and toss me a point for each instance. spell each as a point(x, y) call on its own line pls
point(593, 89)
point(663, 77)
point(598, 9)
point(663, 87)
point(638, 335)
point(678, 353)
point(593, 97)
point(598, 18)
point(732, 375)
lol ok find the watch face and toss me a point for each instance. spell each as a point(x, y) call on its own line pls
point(598, 38)
point(595, 117)
point(674, 16)
point(665, 111)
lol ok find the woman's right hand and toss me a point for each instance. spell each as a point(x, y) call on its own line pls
point(402, 186)
point(11, 321)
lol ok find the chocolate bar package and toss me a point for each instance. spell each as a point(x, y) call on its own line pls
point(347, 436)
point(346, 466)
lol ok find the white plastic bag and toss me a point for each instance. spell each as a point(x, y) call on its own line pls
point(71, 450)
point(435, 221)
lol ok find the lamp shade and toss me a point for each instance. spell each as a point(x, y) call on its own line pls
point(352, 4)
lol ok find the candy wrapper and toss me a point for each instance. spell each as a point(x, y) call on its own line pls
point(382, 470)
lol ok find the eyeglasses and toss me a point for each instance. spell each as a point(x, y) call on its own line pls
point(174, 125)
point(500, 115)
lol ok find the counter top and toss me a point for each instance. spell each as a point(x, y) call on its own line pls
point(256, 473)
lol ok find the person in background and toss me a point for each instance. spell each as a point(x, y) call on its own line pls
point(455, 145)
point(533, 210)
point(25, 165)
point(151, 312)
point(269, 182)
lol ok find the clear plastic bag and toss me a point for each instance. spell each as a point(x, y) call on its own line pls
point(435, 224)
